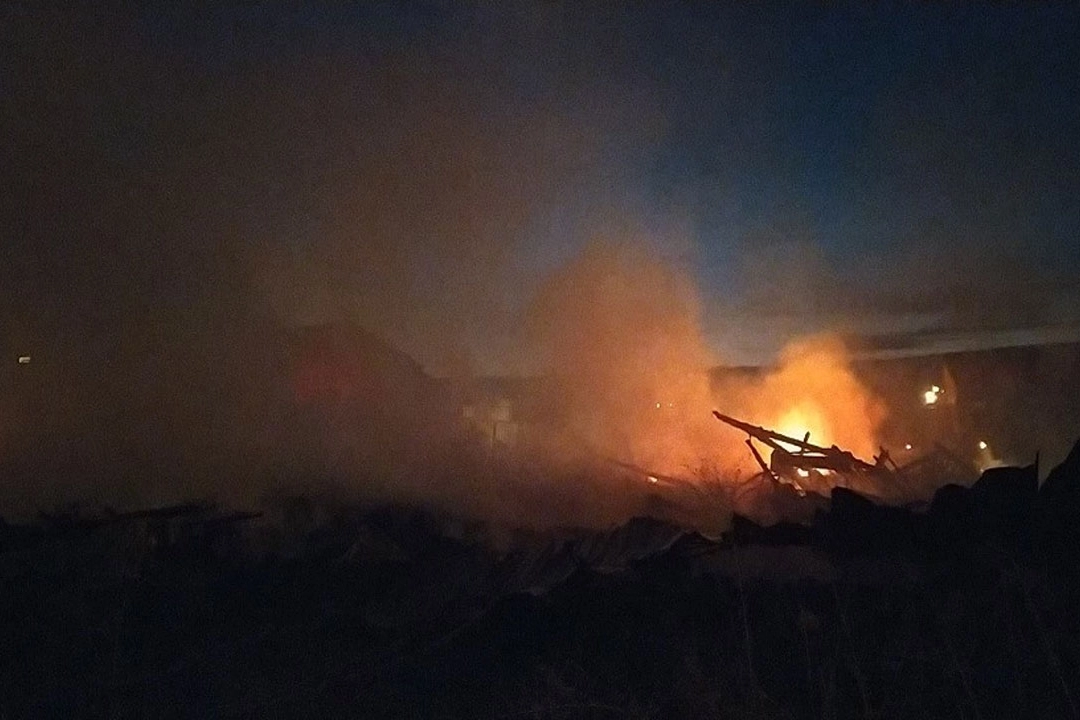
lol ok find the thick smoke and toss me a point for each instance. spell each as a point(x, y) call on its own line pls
point(621, 332)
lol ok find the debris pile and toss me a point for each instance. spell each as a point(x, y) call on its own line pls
point(810, 468)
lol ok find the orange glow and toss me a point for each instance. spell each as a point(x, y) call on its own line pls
point(815, 390)
point(802, 419)
point(622, 334)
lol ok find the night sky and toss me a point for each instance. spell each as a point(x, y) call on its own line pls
point(907, 174)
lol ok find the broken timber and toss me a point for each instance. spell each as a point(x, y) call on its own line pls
point(797, 466)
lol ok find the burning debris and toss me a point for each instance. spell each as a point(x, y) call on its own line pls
point(803, 465)
point(815, 469)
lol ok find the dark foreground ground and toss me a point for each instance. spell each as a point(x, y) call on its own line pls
point(970, 609)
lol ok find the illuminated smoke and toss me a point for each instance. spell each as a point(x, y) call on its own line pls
point(813, 389)
point(622, 333)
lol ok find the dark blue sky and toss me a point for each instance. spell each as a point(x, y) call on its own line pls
point(902, 171)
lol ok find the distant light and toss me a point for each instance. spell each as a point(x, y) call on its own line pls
point(24, 359)
point(657, 406)
point(930, 397)
point(908, 446)
point(983, 445)
point(653, 479)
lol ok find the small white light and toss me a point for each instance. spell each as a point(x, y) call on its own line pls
point(653, 479)
point(657, 406)
point(983, 445)
point(908, 446)
point(24, 359)
point(802, 473)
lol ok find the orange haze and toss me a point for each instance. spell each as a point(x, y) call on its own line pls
point(813, 390)
point(621, 331)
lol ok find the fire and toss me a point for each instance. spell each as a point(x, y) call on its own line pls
point(812, 390)
point(803, 419)
point(622, 334)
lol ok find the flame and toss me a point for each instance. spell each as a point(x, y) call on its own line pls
point(802, 419)
point(622, 333)
point(813, 390)
point(807, 417)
